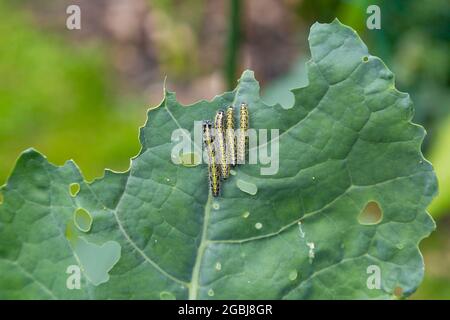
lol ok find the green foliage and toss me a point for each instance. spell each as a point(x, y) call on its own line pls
point(415, 45)
point(347, 144)
point(57, 97)
point(440, 155)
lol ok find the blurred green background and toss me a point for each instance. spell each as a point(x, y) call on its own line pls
point(82, 94)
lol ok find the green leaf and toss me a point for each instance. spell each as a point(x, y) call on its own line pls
point(347, 148)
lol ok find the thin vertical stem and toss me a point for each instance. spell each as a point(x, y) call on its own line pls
point(234, 39)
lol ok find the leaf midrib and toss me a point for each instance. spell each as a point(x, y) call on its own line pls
point(194, 284)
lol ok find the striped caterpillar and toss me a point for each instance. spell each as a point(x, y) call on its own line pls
point(230, 138)
point(221, 144)
point(214, 175)
point(242, 137)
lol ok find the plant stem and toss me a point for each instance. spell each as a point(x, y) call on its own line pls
point(234, 38)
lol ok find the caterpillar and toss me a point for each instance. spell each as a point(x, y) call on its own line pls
point(230, 138)
point(214, 175)
point(242, 138)
point(220, 144)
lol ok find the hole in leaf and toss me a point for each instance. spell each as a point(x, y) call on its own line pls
point(190, 159)
point(166, 296)
point(247, 187)
point(371, 214)
point(97, 260)
point(293, 275)
point(74, 188)
point(398, 292)
point(365, 59)
point(82, 220)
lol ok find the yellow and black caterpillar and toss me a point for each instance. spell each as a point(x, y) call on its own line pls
point(242, 137)
point(230, 138)
point(221, 146)
point(214, 175)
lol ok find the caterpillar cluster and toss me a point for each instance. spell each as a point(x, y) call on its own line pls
point(223, 149)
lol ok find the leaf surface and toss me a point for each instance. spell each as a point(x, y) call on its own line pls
point(347, 144)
